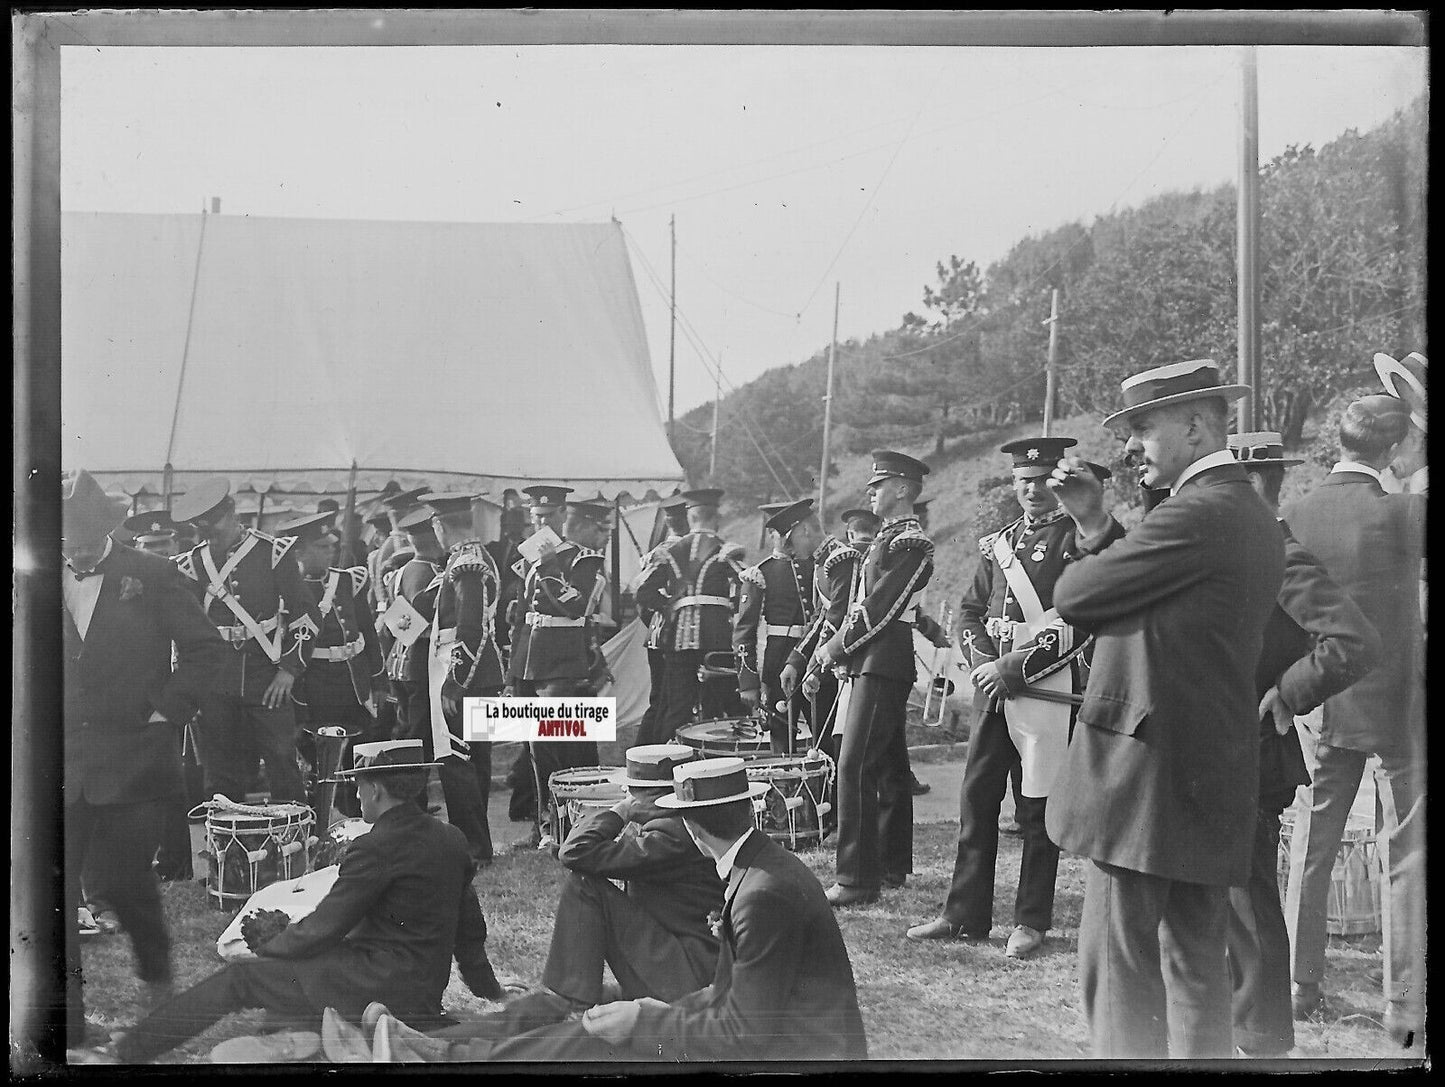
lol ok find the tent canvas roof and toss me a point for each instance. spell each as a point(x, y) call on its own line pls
point(446, 354)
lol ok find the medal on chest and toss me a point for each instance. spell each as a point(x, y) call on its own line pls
point(1040, 550)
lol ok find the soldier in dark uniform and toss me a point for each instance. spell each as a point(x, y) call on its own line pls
point(562, 650)
point(547, 509)
point(1013, 642)
point(674, 512)
point(464, 662)
point(777, 596)
point(875, 646)
point(696, 587)
point(345, 663)
point(250, 587)
point(413, 589)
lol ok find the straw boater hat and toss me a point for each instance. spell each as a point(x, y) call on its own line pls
point(86, 511)
point(1261, 447)
point(384, 756)
point(1404, 379)
point(1174, 383)
point(707, 783)
point(650, 766)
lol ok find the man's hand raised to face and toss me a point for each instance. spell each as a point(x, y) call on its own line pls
point(1080, 493)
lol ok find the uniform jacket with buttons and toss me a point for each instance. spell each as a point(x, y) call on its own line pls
point(566, 585)
point(345, 621)
point(777, 592)
point(467, 600)
point(832, 583)
point(1041, 549)
point(417, 582)
point(698, 564)
point(120, 673)
point(875, 638)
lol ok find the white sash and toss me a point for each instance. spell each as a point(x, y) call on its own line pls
point(438, 665)
point(219, 591)
point(1039, 729)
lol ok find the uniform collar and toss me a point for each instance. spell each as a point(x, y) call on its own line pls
point(1356, 466)
point(1047, 519)
point(469, 541)
point(1217, 459)
point(781, 555)
point(902, 520)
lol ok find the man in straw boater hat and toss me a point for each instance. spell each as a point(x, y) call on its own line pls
point(782, 989)
point(464, 662)
point(344, 664)
point(696, 586)
point(776, 600)
point(1160, 781)
point(1373, 545)
point(874, 646)
point(250, 587)
point(1026, 666)
point(1405, 380)
point(1317, 643)
point(654, 935)
point(124, 709)
point(401, 909)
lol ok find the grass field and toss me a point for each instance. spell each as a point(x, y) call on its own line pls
point(920, 1001)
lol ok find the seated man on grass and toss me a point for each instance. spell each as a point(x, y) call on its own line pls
point(401, 908)
point(783, 988)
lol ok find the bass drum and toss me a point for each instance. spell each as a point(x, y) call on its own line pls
point(738, 737)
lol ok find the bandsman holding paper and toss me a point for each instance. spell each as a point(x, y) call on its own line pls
point(464, 662)
point(1026, 664)
point(250, 587)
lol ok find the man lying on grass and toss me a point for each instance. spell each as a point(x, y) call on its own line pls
point(401, 908)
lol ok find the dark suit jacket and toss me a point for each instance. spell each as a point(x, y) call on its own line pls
point(784, 986)
point(121, 673)
point(1162, 773)
point(1316, 644)
point(667, 876)
point(1372, 543)
point(401, 908)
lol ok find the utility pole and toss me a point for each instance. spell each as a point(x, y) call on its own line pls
point(1051, 374)
point(1247, 233)
point(672, 338)
point(828, 412)
point(716, 399)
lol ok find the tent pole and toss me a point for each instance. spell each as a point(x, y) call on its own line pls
point(348, 541)
point(167, 482)
point(186, 347)
point(617, 561)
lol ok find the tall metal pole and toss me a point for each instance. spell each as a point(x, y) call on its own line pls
point(716, 400)
point(1247, 231)
point(1051, 374)
point(168, 470)
point(672, 337)
point(828, 412)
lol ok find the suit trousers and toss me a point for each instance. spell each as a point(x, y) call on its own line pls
point(114, 844)
point(682, 692)
point(1152, 966)
point(1323, 812)
point(875, 796)
point(253, 983)
point(992, 757)
point(1259, 951)
point(556, 1042)
point(235, 727)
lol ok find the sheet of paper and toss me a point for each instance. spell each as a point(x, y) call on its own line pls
point(404, 621)
point(531, 547)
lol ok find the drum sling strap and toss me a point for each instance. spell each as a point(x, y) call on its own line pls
point(217, 590)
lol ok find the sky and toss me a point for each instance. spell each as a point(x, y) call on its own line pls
point(788, 169)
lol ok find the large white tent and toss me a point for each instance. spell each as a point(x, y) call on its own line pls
point(305, 355)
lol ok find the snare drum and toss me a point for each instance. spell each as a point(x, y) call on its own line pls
point(1353, 905)
point(334, 846)
point(252, 846)
point(738, 737)
point(594, 785)
point(791, 811)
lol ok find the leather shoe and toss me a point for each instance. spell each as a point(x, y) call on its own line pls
point(838, 895)
point(340, 1041)
point(396, 1043)
point(1403, 1026)
point(942, 929)
point(279, 1048)
point(1306, 999)
point(920, 788)
point(1023, 942)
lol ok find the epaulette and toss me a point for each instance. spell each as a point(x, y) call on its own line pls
point(468, 556)
point(731, 550)
point(359, 577)
point(186, 562)
point(279, 546)
point(911, 538)
point(753, 575)
point(840, 554)
point(985, 543)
